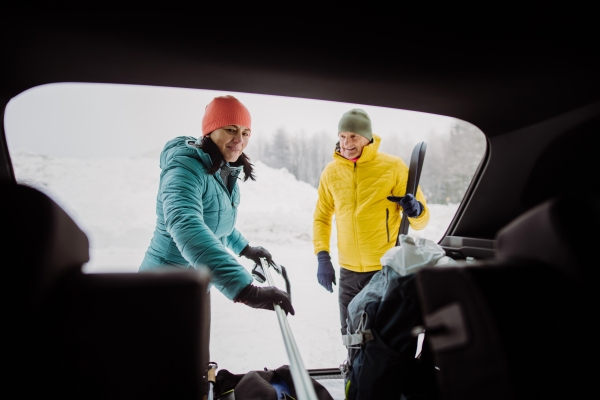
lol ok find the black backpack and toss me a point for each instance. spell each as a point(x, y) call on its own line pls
point(384, 366)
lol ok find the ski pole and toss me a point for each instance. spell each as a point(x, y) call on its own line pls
point(210, 376)
point(302, 382)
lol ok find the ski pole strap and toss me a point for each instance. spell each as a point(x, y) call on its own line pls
point(288, 285)
point(412, 184)
point(259, 274)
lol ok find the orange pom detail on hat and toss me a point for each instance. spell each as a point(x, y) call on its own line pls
point(223, 111)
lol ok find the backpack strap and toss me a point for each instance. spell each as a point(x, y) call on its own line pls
point(358, 338)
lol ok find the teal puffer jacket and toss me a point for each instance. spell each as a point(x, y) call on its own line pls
point(196, 219)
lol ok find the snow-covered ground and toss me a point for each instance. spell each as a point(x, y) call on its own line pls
point(113, 201)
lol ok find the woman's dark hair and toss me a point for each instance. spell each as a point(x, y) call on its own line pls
point(210, 148)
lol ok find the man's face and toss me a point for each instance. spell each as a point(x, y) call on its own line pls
point(351, 144)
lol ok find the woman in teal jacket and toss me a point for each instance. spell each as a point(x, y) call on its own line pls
point(197, 202)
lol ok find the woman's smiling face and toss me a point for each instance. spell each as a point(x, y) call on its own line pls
point(231, 141)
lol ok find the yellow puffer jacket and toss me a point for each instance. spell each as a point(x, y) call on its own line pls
point(367, 222)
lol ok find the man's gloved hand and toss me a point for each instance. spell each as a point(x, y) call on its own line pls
point(264, 297)
point(325, 272)
point(411, 206)
point(255, 254)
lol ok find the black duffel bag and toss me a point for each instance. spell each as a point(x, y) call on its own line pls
point(267, 384)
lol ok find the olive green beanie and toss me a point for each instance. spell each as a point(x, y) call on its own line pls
point(356, 121)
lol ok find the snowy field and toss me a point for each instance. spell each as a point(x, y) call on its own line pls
point(113, 201)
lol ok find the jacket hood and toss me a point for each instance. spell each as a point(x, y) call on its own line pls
point(367, 154)
point(183, 146)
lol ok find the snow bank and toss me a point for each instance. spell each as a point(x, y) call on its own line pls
point(112, 199)
point(276, 208)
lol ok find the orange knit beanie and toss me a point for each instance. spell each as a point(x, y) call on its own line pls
point(223, 111)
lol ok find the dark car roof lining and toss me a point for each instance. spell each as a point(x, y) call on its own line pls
point(527, 89)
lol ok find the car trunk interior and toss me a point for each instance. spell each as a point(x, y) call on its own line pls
point(532, 90)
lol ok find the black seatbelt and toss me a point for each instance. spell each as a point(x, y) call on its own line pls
point(414, 174)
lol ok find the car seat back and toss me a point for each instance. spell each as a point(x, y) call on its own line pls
point(40, 242)
point(93, 336)
point(515, 328)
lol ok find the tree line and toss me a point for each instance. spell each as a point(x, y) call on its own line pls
point(451, 159)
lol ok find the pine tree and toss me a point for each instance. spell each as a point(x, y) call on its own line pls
point(451, 162)
point(280, 150)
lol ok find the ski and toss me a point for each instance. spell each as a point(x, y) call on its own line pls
point(414, 174)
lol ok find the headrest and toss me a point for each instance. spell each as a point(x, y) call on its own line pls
point(554, 233)
point(40, 242)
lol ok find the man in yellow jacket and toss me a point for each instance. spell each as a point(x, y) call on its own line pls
point(355, 187)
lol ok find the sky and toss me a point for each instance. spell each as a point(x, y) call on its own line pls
point(107, 120)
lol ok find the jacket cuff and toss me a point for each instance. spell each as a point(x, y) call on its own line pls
point(240, 245)
point(321, 247)
point(421, 221)
point(244, 249)
point(243, 294)
point(232, 291)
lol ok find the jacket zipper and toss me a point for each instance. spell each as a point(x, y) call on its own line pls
point(355, 211)
point(387, 228)
point(223, 185)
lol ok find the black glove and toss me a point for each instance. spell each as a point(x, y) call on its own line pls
point(325, 271)
point(411, 206)
point(264, 297)
point(255, 254)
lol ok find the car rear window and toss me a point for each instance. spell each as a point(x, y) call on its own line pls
point(95, 149)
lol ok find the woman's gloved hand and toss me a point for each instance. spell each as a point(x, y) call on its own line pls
point(264, 297)
point(411, 206)
point(325, 272)
point(255, 254)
